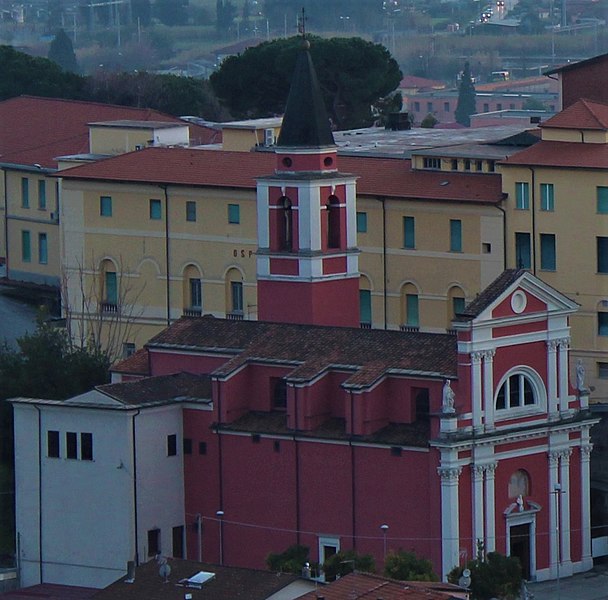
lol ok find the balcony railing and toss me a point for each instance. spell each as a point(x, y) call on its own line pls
point(109, 307)
point(365, 325)
point(410, 328)
point(235, 315)
point(192, 312)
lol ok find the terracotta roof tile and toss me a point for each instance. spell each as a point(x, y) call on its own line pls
point(312, 349)
point(389, 177)
point(489, 294)
point(136, 364)
point(367, 586)
point(164, 388)
point(562, 154)
point(38, 130)
point(583, 114)
point(229, 582)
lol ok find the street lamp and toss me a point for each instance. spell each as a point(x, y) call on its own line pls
point(220, 515)
point(384, 529)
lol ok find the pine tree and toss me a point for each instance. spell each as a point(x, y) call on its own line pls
point(61, 52)
point(466, 98)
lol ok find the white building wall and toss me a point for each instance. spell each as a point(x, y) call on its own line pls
point(87, 522)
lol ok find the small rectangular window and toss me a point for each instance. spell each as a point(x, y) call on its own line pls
point(71, 444)
point(457, 306)
point(416, 106)
point(547, 252)
point(105, 206)
point(454, 164)
point(196, 294)
point(234, 214)
point(43, 252)
point(26, 246)
point(202, 448)
point(153, 542)
point(187, 446)
point(172, 445)
point(523, 255)
point(178, 541)
point(446, 107)
point(156, 211)
point(52, 444)
point(522, 195)
point(602, 200)
point(86, 446)
point(42, 194)
point(361, 222)
point(486, 248)
point(25, 192)
point(602, 323)
point(467, 164)
point(602, 254)
point(486, 107)
point(455, 235)
point(547, 198)
point(498, 106)
point(602, 370)
point(479, 165)
point(431, 163)
point(429, 107)
point(111, 290)
point(191, 211)
point(409, 232)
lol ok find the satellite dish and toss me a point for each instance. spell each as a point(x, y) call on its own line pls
point(165, 571)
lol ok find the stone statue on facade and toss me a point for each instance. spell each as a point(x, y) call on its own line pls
point(580, 375)
point(448, 398)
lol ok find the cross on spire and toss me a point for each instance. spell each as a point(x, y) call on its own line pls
point(302, 24)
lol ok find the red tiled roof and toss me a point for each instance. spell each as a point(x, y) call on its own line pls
point(562, 154)
point(50, 591)
point(38, 130)
point(411, 81)
point(232, 583)
point(390, 177)
point(583, 114)
point(136, 364)
point(311, 350)
point(366, 586)
point(517, 84)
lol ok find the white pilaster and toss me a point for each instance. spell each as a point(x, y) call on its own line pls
point(552, 378)
point(586, 556)
point(553, 480)
point(488, 388)
point(490, 545)
point(263, 215)
point(478, 509)
point(564, 528)
point(450, 531)
point(476, 390)
point(563, 375)
point(351, 215)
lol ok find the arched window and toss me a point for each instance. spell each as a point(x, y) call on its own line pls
point(192, 291)
point(522, 390)
point(285, 228)
point(455, 303)
point(234, 294)
point(365, 302)
point(333, 222)
point(410, 311)
point(519, 484)
point(109, 286)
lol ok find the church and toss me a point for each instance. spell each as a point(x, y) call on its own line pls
point(224, 440)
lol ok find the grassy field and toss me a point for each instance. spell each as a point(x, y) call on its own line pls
point(7, 515)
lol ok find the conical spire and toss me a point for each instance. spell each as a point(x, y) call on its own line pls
point(305, 123)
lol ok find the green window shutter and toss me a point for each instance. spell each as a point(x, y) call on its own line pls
point(602, 200)
point(455, 235)
point(412, 310)
point(409, 232)
point(365, 306)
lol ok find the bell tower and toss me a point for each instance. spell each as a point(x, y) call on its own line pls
point(307, 260)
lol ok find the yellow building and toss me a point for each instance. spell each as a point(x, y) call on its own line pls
point(557, 223)
point(35, 133)
point(151, 235)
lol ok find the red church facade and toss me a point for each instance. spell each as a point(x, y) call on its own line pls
point(335, 437)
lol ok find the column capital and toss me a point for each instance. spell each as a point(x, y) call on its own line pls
point(552, 345)
point(478, 470)
point(490, 468)
point(489, 355)
point(554, 456)
point(586, 451)
point(449, 473)
point(565, 455)
point(476, 357)
point(564, 343)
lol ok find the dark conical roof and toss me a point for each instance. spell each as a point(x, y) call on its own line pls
point(305, 123)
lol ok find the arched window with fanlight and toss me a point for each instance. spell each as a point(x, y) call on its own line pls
point(522, 390)
point(333, 222)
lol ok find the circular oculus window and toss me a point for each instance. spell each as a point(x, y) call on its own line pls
point(519, 302)
point(287, 162)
